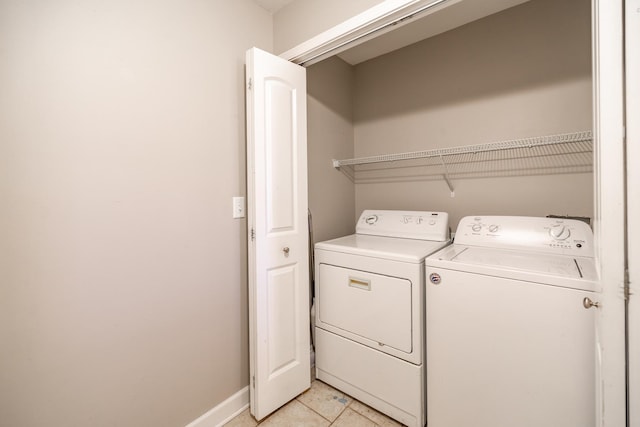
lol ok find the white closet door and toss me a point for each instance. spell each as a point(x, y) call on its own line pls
point(609, 218)
point(278, 233)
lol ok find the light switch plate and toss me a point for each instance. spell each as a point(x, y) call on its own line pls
point(238, 207)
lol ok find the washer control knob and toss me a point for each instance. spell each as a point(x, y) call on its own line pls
point(559, 232)
point(493, 228)
point(371, 219)
point(476, 227)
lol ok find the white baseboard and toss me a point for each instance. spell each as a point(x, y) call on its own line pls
point(224, 412)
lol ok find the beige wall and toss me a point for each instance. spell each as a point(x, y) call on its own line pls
point(301, 20)
point(122, 274)
point(330, 136)
point(523, 72)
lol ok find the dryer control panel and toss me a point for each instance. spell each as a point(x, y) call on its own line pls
point(418, 225)
point(552, 235)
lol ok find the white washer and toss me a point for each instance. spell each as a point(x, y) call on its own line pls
point(370, 310)
point(509, 339)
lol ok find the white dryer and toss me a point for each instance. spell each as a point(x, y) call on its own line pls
point(370, 310)
point(510, 336)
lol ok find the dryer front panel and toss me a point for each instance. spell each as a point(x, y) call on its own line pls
point(372, 306)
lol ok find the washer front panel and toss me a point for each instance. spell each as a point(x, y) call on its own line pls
point(503, 353)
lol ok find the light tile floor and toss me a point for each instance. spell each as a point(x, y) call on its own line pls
point(320, 406)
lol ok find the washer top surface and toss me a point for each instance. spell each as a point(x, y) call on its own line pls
point(556, 270)
point(543, 250)
point(563, 266)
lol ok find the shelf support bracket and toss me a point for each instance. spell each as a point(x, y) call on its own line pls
point(446, 177)
point(348, 171)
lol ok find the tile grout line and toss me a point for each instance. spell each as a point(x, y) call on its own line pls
point(331, 423)
point(351, 400)
point(325, 418)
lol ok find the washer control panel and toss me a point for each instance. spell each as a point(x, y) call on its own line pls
point(418, 225)
point(555, 235)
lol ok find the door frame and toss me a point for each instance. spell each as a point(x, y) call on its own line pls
point(609, 176)
point(632, 62)
point(609, 208)
point(386, 16)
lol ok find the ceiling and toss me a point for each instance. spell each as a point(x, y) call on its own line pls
point(273, 5)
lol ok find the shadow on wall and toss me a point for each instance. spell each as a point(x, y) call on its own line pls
point(517, 50)
point(321, 86)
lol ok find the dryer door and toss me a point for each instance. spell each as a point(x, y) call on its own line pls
point(373, 309)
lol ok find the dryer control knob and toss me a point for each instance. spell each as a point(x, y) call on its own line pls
point(559, 232)
point(476, 227)
point(372, 219)
point(493, 228)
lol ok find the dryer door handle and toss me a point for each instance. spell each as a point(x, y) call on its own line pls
point(363, 284)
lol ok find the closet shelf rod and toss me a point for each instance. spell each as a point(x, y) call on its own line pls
point(492, 146)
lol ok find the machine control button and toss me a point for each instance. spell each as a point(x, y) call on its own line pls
point(432, 222)
point(372, 219)
point(493, 228)
point(559, 232)
point(476, 227)
point(435, 278)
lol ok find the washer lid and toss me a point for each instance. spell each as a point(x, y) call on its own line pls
point(559, 270)
point(392, 248)
point(563, 266)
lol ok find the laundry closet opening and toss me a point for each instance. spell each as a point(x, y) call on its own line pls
point(520, 73)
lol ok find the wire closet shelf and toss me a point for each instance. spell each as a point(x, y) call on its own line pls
point(550, 154)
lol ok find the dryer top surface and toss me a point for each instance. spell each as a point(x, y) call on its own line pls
point(391, 248)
